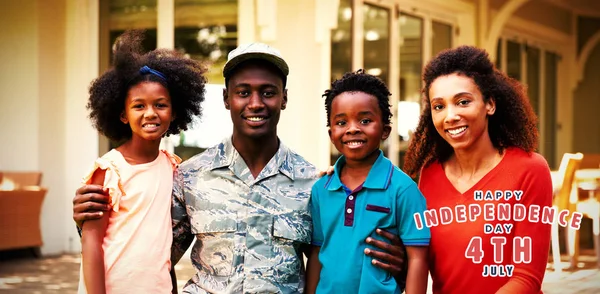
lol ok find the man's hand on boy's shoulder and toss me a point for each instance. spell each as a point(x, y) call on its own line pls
point(90, 202)
point(391, 256)
point(328, 172)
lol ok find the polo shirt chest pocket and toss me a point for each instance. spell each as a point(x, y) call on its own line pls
point(216, 231)
point(379, 213)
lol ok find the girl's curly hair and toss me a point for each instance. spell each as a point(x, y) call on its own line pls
point(360, 81)
point(185, 82)
point(512, 125)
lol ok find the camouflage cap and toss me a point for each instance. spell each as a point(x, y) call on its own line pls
point(254, 51)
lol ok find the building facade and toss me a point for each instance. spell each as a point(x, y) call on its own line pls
point(52, 49)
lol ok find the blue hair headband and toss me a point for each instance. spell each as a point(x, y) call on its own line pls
point(146, 70)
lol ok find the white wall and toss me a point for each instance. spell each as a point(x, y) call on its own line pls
point(294, 33)
point(51, 114)
point(44, 123)
point(19, 73)
point(81, 140)
point(32, 79)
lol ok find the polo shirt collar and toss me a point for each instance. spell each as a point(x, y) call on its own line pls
point(379, 176)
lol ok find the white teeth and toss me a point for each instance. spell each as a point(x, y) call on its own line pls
point(354, 143)
point(150, 125)
point(255, 118)
point(457, 131)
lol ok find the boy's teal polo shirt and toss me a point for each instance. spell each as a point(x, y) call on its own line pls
point(343, 219)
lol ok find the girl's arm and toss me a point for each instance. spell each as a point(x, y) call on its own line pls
point(418, 270)
point(313, 269)
point(93, 233)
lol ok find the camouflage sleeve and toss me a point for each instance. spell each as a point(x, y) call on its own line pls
point(182, 234)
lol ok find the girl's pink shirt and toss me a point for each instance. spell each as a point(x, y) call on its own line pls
point(137, 245)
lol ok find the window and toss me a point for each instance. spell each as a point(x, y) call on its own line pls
point(341, 42)
point(513, 61)
point(524, 63)
point(441, 37)
point(412, 60)
point(411, 64)
point(376, 41)
point(205, 30)
point(533, 77)
point(548, 136)
point(118, 16)
point(393, 46)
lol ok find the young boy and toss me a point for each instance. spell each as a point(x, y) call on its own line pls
point(365, 192)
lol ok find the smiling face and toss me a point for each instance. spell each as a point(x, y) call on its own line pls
point(148, 111)
point(255, 97)
point(459, 112)
point(357, 128)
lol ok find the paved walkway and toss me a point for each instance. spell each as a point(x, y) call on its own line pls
point(60, 275)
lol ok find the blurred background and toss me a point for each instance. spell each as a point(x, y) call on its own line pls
point(50, 50)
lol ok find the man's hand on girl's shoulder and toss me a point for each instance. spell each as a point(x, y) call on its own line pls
point(90, 202)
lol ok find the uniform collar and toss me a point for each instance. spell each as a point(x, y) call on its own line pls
point(228, 156)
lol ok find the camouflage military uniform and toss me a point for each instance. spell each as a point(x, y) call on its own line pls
point(249, 231)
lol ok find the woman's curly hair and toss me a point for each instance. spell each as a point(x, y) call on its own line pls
point(512, 125)
point(185, 82)
point(360, 81)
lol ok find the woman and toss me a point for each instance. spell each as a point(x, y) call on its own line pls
point(474, 147)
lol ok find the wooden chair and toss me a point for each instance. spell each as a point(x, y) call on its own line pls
point(588, 201)
point(564, 191)
point(590, 160)
point(21, 202)
point(23, 178)
point(20, 213)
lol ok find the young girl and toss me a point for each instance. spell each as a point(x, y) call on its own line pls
point(142, 99)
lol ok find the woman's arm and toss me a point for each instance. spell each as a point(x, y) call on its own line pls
point(418, 270)
point(93, 233)
point(537, 190)
point(313, 269)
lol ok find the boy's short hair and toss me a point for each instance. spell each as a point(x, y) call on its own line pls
point(360, 81)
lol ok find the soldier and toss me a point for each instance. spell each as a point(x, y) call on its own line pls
point(246, 200)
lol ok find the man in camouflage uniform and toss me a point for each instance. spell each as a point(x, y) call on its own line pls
point(246, 199)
